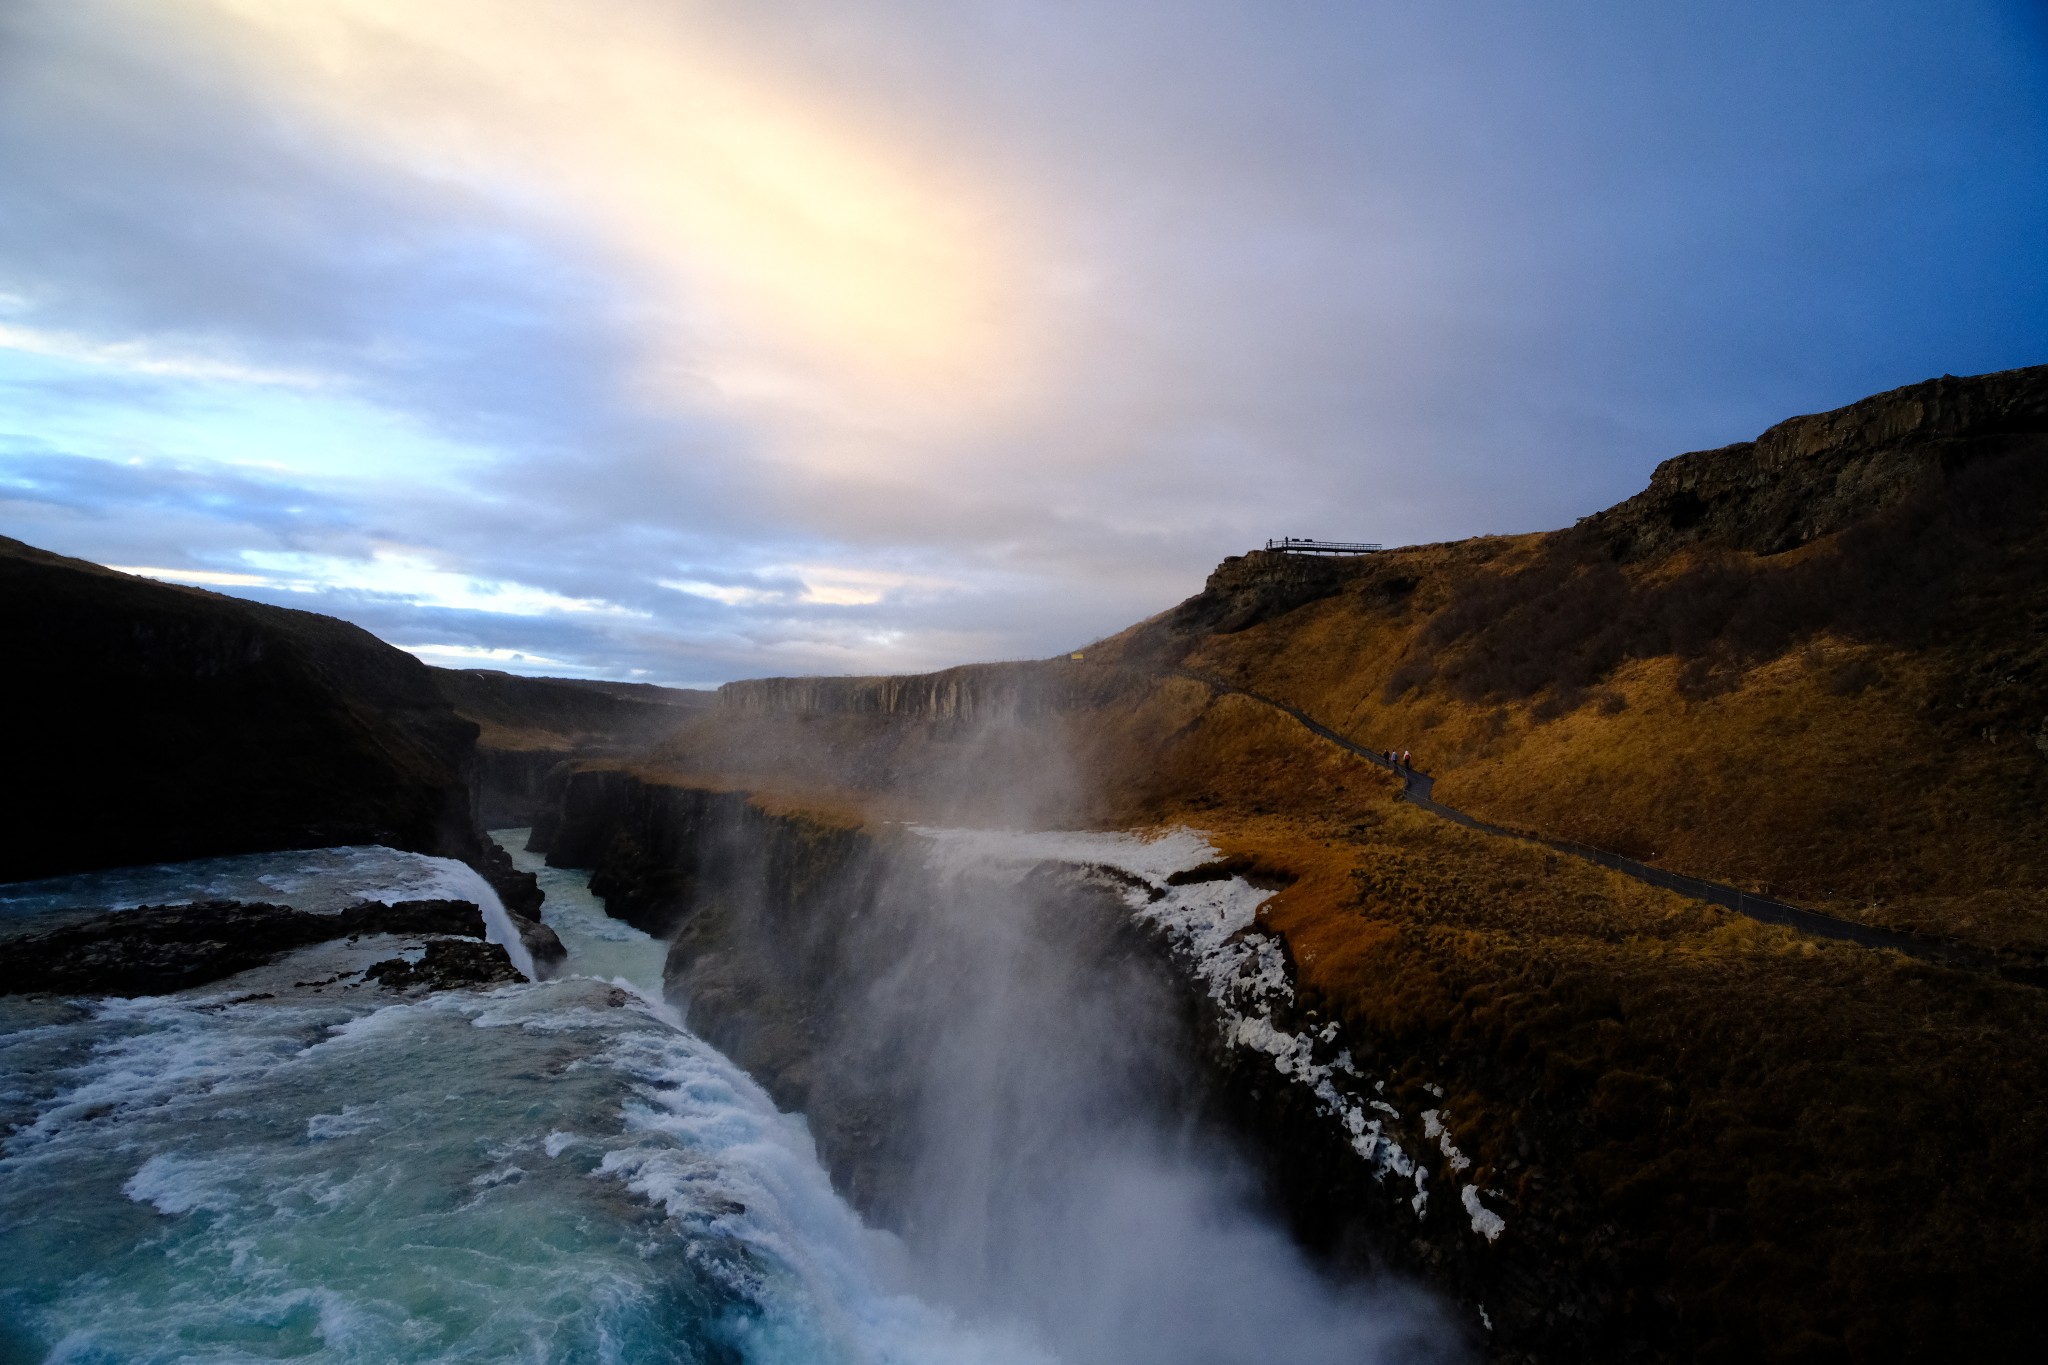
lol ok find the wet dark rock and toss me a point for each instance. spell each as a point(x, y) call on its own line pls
point(541, 943)
point(448, 964)
point(413, 917)
point(153, 949)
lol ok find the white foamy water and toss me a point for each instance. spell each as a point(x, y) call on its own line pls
point(287, 1164)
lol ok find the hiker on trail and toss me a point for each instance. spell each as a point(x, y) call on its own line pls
point(1404, 758)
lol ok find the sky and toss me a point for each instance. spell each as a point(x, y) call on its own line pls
point(679, 342)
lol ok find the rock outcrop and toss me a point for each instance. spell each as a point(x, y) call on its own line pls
point(155, 949)
point(1812, 476)
point(447, 964)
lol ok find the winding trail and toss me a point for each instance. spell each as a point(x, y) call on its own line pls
point(1417, 789)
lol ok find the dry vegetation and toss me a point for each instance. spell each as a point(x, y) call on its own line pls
point(1860, 724)
point(1770, 1148)
point(1796, 1149)
point(1776, 1148)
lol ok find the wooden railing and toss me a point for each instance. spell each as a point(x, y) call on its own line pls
point(1294, 546)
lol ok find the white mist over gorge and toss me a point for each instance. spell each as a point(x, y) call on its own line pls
point(288, 1159)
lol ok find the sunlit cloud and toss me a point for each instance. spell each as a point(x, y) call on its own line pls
point(828, 585)
point(837, 585)
point(472, 656)
point(145, 358)
point(727, 594)
point(203, 578)
point(793, 269)
point(403, 575)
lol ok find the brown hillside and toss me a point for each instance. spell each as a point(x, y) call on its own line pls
point(1813, 664)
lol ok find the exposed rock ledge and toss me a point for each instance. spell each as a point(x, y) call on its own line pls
point(155, 949)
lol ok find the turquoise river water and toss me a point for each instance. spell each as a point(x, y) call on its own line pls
point(287, 1165)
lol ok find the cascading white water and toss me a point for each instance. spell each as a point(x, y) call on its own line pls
point(287, 1165)
point(1060, 1177)
point(292, 1163)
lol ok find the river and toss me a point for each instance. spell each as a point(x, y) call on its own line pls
point(274, 1168)
point(296, 1164)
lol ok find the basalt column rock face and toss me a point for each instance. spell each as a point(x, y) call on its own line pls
point(155, 723)
point(959, 695)
point(1811, 476)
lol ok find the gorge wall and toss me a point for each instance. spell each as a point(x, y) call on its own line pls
point(1812, 666)
point(803, 947)
point(158, 723)
point(529, 726)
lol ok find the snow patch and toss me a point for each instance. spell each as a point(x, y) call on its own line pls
point(1485, 1221)
point(1433, 1126)
point(1210, 928)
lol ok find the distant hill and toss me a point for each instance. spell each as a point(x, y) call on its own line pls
point(1814, 664)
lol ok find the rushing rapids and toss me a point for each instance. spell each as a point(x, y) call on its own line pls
point(301, 1161)
point(292, 1163)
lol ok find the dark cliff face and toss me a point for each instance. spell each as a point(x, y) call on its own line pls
point(758, 910)
point(833, 966)
point(530, 726)
point(1812, 476)
point(155, 723)
point(971, 695)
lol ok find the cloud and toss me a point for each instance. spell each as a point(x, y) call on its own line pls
point(144, 358)
point(409, 576)
point(691, 341)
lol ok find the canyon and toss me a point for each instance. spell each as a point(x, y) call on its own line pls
point(1808, 667)
point(1159, 895)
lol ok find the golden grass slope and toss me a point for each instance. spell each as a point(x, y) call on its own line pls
point(1816, 666)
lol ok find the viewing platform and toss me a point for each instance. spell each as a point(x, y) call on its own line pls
point(1294, 546)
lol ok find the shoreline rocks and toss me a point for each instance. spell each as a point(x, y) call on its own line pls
point(156, 949)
